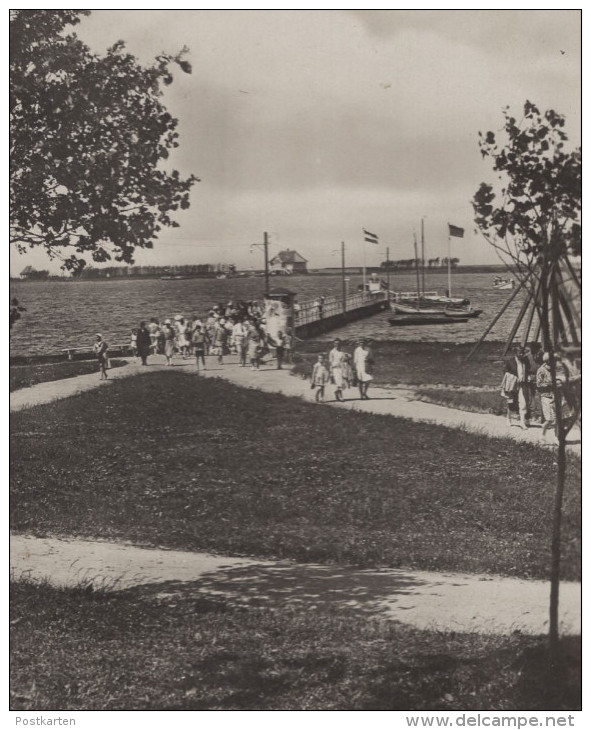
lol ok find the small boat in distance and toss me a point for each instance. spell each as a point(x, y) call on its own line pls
point(500, 283)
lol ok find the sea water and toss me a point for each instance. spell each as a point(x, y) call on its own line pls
point(62, 314)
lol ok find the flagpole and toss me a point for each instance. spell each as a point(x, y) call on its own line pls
point(364, 265)
point(344, 283)
point(449, 265)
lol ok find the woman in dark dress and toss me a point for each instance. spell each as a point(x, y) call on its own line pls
point(144, 343)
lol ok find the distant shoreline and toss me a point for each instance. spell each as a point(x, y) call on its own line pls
point(350, 271)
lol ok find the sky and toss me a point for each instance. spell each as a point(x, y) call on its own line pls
point(313, 124)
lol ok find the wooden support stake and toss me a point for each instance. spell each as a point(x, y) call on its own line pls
point(495, 320)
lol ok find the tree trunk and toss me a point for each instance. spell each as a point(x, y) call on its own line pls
point(560, 479)
point(556, 534)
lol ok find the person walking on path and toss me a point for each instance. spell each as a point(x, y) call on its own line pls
point(200, 340)
point(279, 342)
point(519, 366)
point(544, 386)
point(220, 339)
point(254, 347)
point(336, 360)
point(169, 338)
point(154, 329)
point(320, 377)
point(144, 343)
point(181, 336)
point(240, 341)
point(363, 363)
point(100, 348)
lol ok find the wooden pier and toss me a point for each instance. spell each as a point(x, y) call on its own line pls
point(312, 320)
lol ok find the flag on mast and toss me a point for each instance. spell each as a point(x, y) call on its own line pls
point(370, 237)
point(456, 231)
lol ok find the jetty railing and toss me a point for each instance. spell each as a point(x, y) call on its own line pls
point(312, 311)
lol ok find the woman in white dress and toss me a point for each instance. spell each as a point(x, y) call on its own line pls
point(363, 364)
point(336, 360)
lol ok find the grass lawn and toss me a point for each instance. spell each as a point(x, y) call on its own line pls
point(137, 650)
point(171, 459)
point(477, 401)
point(24, 376)
point(418, 363)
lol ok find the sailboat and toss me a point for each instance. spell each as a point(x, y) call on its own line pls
point(429, 307)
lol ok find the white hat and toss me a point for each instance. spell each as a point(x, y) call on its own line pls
point(166, 321)
point(177, 317)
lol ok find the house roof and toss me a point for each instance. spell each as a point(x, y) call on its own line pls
point(288, 257)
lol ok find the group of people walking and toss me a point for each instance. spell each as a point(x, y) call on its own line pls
point(527, 374)
point(234, 328)
point(343, 371)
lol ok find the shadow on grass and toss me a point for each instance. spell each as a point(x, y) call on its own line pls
point(139, 649)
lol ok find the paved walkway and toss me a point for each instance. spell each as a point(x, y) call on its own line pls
point(385, 401)
point(425, 600)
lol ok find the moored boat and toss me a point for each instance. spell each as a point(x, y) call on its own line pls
point(417, 310)
point(500, 283)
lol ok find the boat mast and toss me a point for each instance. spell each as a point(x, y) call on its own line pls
point(417, 268)
point(423, 251)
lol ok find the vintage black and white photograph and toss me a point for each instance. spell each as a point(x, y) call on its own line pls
point(295, 362)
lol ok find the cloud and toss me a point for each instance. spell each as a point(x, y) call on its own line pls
point(314, 123)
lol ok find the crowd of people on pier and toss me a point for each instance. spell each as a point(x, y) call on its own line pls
point(237, 328)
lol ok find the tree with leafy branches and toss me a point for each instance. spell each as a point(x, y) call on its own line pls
point(89, 139)
point(532, 217)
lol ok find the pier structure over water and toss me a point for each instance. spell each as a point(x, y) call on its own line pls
point(317, 317)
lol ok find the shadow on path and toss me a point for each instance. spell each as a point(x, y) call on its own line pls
point(295, 586)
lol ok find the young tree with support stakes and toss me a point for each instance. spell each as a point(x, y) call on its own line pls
point(532, 218)
point(89, 137)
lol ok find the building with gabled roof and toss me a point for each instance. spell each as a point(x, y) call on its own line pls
point(290, 262)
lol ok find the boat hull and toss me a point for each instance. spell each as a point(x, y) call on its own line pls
point(460, 314)
point(415, 311)
point(408, 320)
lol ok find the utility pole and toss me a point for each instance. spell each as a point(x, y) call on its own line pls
point(343, 277)
point(266, 247)
point(388, 271)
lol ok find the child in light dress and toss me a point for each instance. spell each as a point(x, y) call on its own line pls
point(133, 344)
point(320, 377)
point(347, 368)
